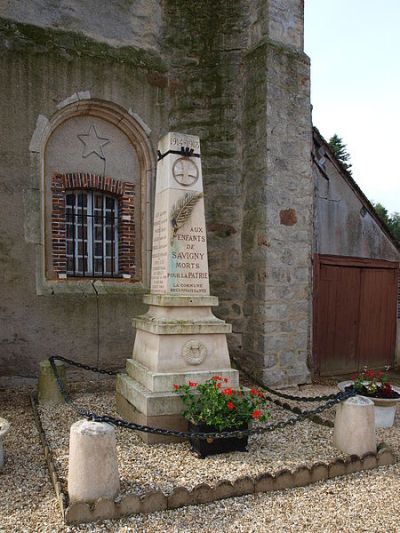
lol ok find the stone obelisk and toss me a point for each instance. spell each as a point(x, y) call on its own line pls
point(178, 339)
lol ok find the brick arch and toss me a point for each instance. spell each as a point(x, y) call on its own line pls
point(124, 191)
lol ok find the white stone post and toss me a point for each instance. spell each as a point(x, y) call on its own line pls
point(355, 426)
point(93, 466)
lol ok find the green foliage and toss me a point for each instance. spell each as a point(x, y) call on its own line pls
point(371, 383)
point(221, 407)
point(338, 147)
point(391, 220)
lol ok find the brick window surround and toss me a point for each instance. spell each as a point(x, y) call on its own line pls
point(124, 191)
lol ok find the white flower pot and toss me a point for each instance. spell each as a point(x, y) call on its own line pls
point(4, 428)
point(385, 408)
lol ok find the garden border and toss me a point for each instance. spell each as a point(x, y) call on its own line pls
point(156, 500)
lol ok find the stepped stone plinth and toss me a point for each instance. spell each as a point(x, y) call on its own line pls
point(179, 338)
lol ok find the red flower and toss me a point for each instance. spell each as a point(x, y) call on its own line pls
point(227, 392)
point(217, 378)
point(354, 377)
point(255, 414)
point(230, 406)
point(192, 384)
point(176, 387)
point(254, 392)
point(226, 380)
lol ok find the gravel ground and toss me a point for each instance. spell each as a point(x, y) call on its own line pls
point(165, 466)
point(361, 502)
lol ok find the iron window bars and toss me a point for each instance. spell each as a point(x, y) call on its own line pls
point(91, 234)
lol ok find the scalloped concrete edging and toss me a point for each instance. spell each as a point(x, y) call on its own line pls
point(156, 500)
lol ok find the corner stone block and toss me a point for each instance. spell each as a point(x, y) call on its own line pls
point(47, 388)
point(355, 426)
point(93, 466)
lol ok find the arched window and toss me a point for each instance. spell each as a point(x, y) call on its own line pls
point(97, 170)
point(93, 226)
point(92, 229)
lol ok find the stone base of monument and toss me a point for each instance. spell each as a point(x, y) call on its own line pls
point(177, 341)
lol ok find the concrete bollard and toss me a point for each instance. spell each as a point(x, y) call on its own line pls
point(93, 466)
point(355, 426)
point(4, 428)
point(47, 388)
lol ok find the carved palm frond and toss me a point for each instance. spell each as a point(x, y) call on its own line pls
point(183, 209)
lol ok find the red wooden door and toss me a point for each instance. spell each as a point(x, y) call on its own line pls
point(354, 314)
point(338, 318)
point(377, 317)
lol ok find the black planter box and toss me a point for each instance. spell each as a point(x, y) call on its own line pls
point(211, 446)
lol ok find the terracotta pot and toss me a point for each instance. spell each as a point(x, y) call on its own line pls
point(385, 408)
point(211, 446)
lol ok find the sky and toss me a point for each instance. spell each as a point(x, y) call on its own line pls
point(354, 46)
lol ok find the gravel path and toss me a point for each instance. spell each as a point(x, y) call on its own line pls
point(362, 502)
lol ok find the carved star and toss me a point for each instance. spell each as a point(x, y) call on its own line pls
point(92, 143)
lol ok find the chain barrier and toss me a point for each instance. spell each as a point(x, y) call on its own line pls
point(119, 422)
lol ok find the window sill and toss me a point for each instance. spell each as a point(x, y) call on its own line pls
point(93, 287)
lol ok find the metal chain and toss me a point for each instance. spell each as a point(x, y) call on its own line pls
point(119, 422)
point(81, 365)
point(299, 398)
point(265, 387)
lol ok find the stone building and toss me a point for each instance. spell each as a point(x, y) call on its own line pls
point(86, 94)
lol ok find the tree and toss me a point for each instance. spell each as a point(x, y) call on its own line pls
point(338, 147)
point(392, 220)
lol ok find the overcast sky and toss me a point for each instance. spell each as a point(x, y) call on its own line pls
point(354, 46)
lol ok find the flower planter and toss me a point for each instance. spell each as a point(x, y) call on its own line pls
point(4, 428)
point(211, 446)
point(385, 408)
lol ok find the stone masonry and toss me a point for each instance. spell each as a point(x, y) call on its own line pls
point(234, 74)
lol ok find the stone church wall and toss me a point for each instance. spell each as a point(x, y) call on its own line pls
point(234, 74)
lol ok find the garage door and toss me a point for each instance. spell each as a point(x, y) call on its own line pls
point(355, 302)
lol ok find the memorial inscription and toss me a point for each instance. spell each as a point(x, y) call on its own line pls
point(180, 262)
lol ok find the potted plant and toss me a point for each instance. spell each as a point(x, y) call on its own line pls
point(376, 386)
point(213, 406)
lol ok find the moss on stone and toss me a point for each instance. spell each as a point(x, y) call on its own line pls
point(30, 39)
